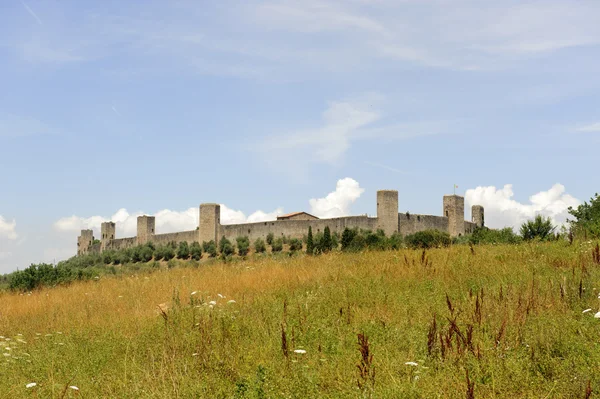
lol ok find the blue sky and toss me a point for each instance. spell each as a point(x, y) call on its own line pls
point(263, 105)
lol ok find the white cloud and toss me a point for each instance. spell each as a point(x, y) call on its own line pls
point(338, 202)
point(8, 229)
point(501, 210)
point(231, 216)
point(5, 255)
point(594, 127)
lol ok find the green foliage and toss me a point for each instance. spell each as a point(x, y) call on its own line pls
point(210, 248)
point(310, 245)
point(196, 251)
point(326, 244)
point(260, 246)
point(270, 238)
point(295, 245)
point(146, 253)
point(108, 257)
point(277, 245)
point(347, 237)
point(587, 218)
point(183, 252)
point(395, 241)
point(539, 228)
point(243, 245)
point(226, 247)
point(428, 239)
point(45, 274)
point(485, 235)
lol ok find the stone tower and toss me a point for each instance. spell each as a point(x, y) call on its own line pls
point(107, 230)
point(387, 211)
point(454, 210)
point(210, 220)
point(477, 215)
point(84, 241)
point(145, 228)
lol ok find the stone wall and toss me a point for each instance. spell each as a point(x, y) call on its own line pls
point(295, 228)
point(409, 223)
point(470, 227)
point(187, 236)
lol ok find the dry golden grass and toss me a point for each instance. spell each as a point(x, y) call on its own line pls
point(111, 339)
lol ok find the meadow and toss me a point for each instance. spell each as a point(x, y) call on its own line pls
point(486, 321)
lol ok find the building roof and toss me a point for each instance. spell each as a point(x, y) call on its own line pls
point(289, 215)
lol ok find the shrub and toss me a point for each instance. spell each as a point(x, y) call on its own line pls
point(196, 251)
point(295, 245)
point(376, 241)
point(327, 243)
point(485, 235)
point(270, 238)
point(260, 246)
point(428, 239)
point(243, 244)
point(226, 247)
point(395, 241)
point(146, 253)
point(347, 237)
point(108, 257)
point(358, 243)
point(159, 253)
point(277, 245)
point(210, 248)
point(136, 254)
point(169, 253)
point(310, 246)
point(183, 252)
point(539, 228)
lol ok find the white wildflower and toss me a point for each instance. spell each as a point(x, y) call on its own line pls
point(73, 387)
point(587, 310)
point(194, 354)
point(31, 385)
point(6, 354)
point(212, 303)
point(231, 301)
point(300, 351)
point(221, 296)
point(210, 306)
point(194, 293)
point(597, 315)
point(414, 364)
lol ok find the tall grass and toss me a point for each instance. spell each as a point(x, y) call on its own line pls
point(494, 322)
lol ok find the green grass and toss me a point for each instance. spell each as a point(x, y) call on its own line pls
point(530, 338)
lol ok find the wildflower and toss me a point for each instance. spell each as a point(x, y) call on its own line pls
point(411, 364)
point(220, 296)
point(212, 303)
point(211, 306)
point(6, 354)
point(231, 301)
point(597, 315)
point(8, 348)
point(194, 293)
point(587, 310)
point(194, 354)
point(31, 385)
point(73, 387)
point(300, 351)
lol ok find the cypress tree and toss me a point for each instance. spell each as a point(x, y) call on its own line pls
point(327, 243)
point(310, 246)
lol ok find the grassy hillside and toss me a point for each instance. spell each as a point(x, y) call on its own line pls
point(509, 317)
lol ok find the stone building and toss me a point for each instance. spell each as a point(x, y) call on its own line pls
point(293, 225)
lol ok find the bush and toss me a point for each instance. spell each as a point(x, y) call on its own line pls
point(108, 257)
point(243, 244)
point(295, 245)
point(277, 245)
point(539, 228)
point(326, 243)
point(183, 252)
point(226, 247)
point(196, 251)
point(395, 241)
point(210, 248)
point(485, 235)
point(260, 246)
point(428, 239)
point(376, 241)
point(270, 238)
point(347, 237)
point(146, 253)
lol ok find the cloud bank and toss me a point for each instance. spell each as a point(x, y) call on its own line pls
point(335, 204)
point(501, 210)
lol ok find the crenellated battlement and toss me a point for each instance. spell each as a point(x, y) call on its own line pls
point(210, 228)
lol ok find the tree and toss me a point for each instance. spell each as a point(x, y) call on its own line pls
point(310, 246)
point(183, 252)
point(210, 248)
point(260, 246)
point(226, 247)
point(327, 244)
point(295, 245)
point(347, 237)
point(539, 228)
point(587, 218)
point(196, 251)
point(243, 244)
point(270, 238)
point(277, 245)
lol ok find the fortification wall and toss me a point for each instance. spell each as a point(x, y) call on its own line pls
point(295, 228)
point(409, 223)
point(187, 236)
point(121, 243)
point(470, 227)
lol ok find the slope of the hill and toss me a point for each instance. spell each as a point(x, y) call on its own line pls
point(509, 322)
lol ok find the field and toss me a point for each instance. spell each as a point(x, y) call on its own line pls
point(509, 322)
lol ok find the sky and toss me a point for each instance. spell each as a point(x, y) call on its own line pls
point(113, 109)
